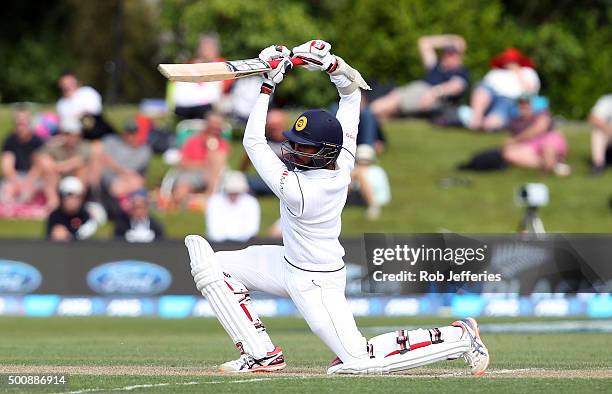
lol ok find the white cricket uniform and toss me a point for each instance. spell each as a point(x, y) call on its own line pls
point(309, 267)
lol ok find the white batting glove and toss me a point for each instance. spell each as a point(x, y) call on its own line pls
point(316, 54)
point(271, 78)
point(357, 81)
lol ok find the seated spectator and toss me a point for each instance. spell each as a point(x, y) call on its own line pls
point(233, 214)
point(275, 125)
point(83, 103)
point(536, 143)
point(195, 100)
point(136, 224)
point(493, 102)
point(66, 154)
point(203, 159)
point(21, 179)
point(125, 162)
point(242, 97)
point(71, 220)
point(370, 185)
point(444, 83)
point(601, 120)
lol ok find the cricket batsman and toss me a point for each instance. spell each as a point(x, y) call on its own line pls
point(311, 183)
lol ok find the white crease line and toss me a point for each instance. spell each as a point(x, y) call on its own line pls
point(145, 386)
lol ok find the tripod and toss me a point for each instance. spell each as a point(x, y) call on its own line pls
point(531, 222)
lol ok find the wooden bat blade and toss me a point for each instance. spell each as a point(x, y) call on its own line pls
point(216, 71)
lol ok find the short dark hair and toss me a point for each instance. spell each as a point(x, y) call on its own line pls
point(68, 72)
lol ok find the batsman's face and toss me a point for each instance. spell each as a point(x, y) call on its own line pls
point(304, 160)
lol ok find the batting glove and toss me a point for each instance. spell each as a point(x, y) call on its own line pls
point(316, 54)
point(357, 81)
point(276, 75)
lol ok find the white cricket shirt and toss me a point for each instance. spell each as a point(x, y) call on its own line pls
point(311, 202)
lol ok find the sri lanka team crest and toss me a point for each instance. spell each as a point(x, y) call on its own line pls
point(300, 123)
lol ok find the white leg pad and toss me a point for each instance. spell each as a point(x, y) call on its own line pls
point(210, 281)
point(400, 362)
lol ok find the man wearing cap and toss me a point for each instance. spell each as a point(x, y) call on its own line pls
point(311, 182)
point(203, 158)
point(125, 162)
point(71, 220)
point(233, 214)
point(444, 83)
point(64, 155)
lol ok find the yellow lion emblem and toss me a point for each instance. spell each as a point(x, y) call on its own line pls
point(301, 123)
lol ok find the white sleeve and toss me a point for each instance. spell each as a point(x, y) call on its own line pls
point(253, 217)
point(284, 183)
point(90, 100)
point(534, 80)
point(349, 109)
point(214, 218)
point(603, 108)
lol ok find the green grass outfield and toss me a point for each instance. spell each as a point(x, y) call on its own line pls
point(419, 157)
point(155, 355)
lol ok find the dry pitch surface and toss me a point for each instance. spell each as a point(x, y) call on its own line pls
point(154, 355)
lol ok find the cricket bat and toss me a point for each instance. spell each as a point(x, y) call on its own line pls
point(219, 71)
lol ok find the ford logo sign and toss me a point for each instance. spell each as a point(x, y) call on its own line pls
point(129, 277)
point(18, 278)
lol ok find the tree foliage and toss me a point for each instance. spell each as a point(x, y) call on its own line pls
point(569, 40)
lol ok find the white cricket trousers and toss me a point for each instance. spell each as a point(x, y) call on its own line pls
point(318, 296)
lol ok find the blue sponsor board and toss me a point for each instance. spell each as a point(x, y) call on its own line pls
point(17, 277)
point(182, 306)
point(129, 277)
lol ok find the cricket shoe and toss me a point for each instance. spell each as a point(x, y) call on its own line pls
point(274, 361)
point(478, 355)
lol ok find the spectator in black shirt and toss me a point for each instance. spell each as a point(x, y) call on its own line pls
point(443, 85)
point(71, 221)
point(21, 178)
point(136, 224)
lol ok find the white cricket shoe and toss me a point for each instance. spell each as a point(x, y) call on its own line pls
point(274, 361)
point(478, 355)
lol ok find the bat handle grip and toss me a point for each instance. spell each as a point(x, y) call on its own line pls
point(296, 61)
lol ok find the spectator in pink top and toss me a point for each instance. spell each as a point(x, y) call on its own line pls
point(203, 158)
point(535, 142)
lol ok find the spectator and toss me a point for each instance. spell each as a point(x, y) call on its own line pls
point(125, 162)
point(136, 224)
point(195, 100)
point(370, 185)
point(71, 220)
point(444, 83)
point(233, 215)
point(601, 120)
point(493, 102)
point(83, 103)
point(203, 158)
point(536, 143)
point(66, 154)
point(370, 132)
point(21, 178)
point(275, 125)
point(242, 98)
